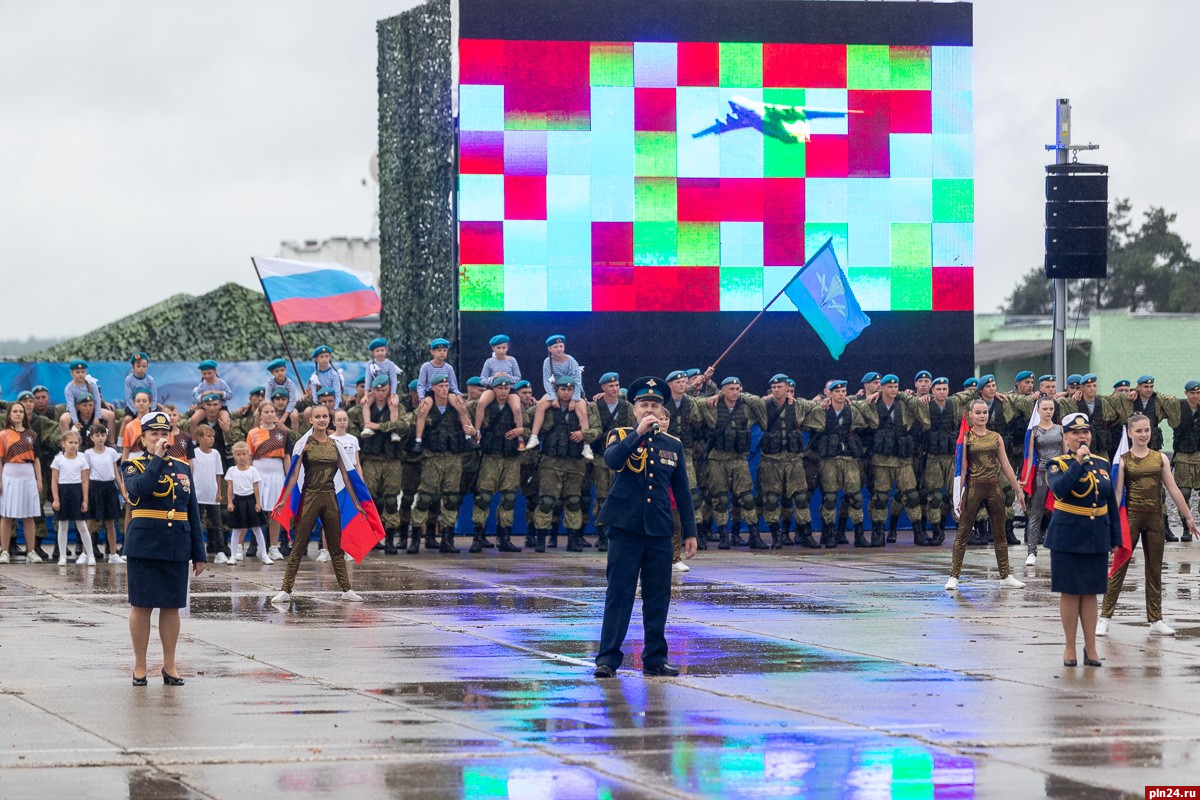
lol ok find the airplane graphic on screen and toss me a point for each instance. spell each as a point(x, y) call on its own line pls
point(788, 124)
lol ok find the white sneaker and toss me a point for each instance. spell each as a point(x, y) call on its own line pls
point(351, 596)
point(31, 558)
point(368, 432)
point(281, 599)
point(1160, 628)
point(4, 559)
point(533, 442)
point(82, 558)
point(587, 452)
point(241, 552)
point(275, 553)
point(347, 557)
point(62, 561)
point(266, 560)
point(221, 559)
point(113, 558)
point(1102, 626)
point(1031, 560)
point(397, 437)
point(322, 555)
point(91, 561)
point(679, 566)
point(1011, 582)
point(952, 585)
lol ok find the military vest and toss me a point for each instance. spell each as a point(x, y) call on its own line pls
point(621, 417)
point(556, 442)
point(1150, 409)
point(837, 438)
point(781, 435)
point(733, 428)
point(891, 438)
point(943, 430)
point(443, 432)
point(1187, 434)
point(380, 445)
point(1101, 435)
point(497, 421)
point(996, 420)
point(680, 426)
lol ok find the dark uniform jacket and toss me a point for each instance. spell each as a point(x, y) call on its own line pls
point(648, 470)
point(1082, 492)
point(163, 484)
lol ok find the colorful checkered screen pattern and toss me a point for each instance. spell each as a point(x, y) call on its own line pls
point(698, 177)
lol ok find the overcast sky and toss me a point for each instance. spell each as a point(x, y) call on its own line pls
point(151, 147)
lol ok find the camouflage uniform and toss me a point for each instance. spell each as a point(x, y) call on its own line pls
point(835, 438)
point(560, 474)
point(781, 469)
point(499, 473)
point(381, 466)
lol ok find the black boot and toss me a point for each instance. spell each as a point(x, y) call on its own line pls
point(776, 537)
point(504, 538)
point(602, 539)
point(552, 538)
point(431, 537)
point(530, 535)
point(1009, 536)
point(477, 541)
point(573, 543)
point(829, 539)
point(414, 540)
point(539, 541)
point(447, 544)
point(735, 527)
point(722, 538)
point(893, 525)
point(860, 538)
point(714, 533)
point(878, 535)
point(804, 536)
point(583, 542)
point(1168, 534)
point(756, 542)
point(487, 545)
point(389, 543)
point(841, 526)
point(402, 538)
point(979, 534)
point(920, 538)
point(785, 531)
point(938, 535)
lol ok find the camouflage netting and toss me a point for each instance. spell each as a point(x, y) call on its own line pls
point(232, 323)
point(419, 276)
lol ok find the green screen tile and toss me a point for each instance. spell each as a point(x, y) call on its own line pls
point(783, 159)
point(654, 200)
point(655, 154)
point(953, 200)
point(612, 64)
point(868, 66)
point(911, 68)
point(481, 287)
point(741, 288)
point(912, 289)
point(741, 64)
point(912, 244)
point(700, 244)
point(817, 233)
point(655, 244)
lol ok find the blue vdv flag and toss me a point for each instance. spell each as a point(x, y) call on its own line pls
point(822, 294)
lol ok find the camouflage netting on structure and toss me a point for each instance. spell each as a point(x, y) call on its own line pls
point(232, 323)
point(418, 271)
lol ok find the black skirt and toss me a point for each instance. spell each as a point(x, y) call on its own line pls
point(244, 515)
point(70, 502)
point(1078, 573)
point(104, 501)
point(157, 584)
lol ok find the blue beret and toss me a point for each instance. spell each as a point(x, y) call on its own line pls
point(1146, 379)
point(889, 378)
point(321, 348)
point(258, 390)
point(838, 384)
point(1076, 422)
point(24, 394)
point(143, 390)
point(1121, 384)
point(378, 341)
point(923, 374)
point(693, 372)
point(1190, 386)
point(208, 363)
point(474, 381)
point(78, 364)
point(1074, 379)
point(791, 383)
point(499, 338)
point(412, 385)
point(381, 380)
point(436, 379)
point(555, 338)
point(676, 375)
point(1023, 375)
point(326, 392)
point(1089, 378)
point(501, 380)
point(436, 343)
point(565, 380)
point(280, 392)
point(361, 380)
point(40, 388)
point(156, 421)
point(730, 380)
point(648, 387)
point(1044, 378)
point(521, 384)
point(779, 377)
point(871, 376)
point(984, 380)
point(609, 376)
point(970, 383)
point(204, 398)
point(276, 364)
point(938, 381)
point(133, 359)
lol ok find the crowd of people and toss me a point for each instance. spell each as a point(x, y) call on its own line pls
point(871, 453)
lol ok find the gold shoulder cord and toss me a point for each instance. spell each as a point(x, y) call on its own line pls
point(636, 462)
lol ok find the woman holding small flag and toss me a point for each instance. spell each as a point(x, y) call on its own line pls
point(1085, 526)
point(1142, 473)
point(1043, 442)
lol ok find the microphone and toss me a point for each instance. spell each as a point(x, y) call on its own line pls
point(653, 427)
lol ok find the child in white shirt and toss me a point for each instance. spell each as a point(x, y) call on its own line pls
point(245, 505)
point(68, 489)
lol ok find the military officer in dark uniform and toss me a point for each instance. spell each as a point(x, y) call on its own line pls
point(650, 471)
point(164, 535)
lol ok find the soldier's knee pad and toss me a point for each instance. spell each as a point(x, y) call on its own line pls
point(855, 499)
point(697, 498)
point(546, 504)
point(800, 499)
point(829, 501)
point(423, 502)
point(573, 503)
point(879, 500)
point(937, 497)
point(747, 500)
point(912, 498)
point(391, 504)
point(483, 500)
point(451, 500)
point(771, 501)
point(721, 503)
point(508, 500)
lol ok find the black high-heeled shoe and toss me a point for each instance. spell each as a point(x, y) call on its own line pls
point(1070, 662)
point(1088, 661)
point(171, 680)
point(139, 681)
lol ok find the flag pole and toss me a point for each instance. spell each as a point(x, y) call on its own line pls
point(751, 325)
point(286, 348)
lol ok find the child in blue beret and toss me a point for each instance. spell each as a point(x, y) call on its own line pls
point(280, 380)
point(560, 365)
point(211, 383)
point(500, 364)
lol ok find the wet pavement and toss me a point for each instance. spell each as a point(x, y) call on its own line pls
point(831, 675)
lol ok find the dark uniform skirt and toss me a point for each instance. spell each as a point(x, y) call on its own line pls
point(157, 584)
point(70, 502)
point(1078, 573)
point(104, 501)
point(244, 515)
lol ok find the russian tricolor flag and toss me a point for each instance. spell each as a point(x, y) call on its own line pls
point(960, 462)
point(302, 291)
point(1124, 551)
point(360, 532)
point(1029, 464)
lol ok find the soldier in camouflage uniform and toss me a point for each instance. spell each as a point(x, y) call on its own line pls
point(562, 465)
point(836, 428)
point(499, 468)
point(894, 420)
point(373, 421)
point(690, 421)
point(438, 497)
point(410, 468)
point(781, 468)
point(942, 418)
point(728, 467)
point(612, 411)
point(1186, 460)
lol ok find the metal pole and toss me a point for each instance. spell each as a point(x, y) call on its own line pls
point(1061, 156)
